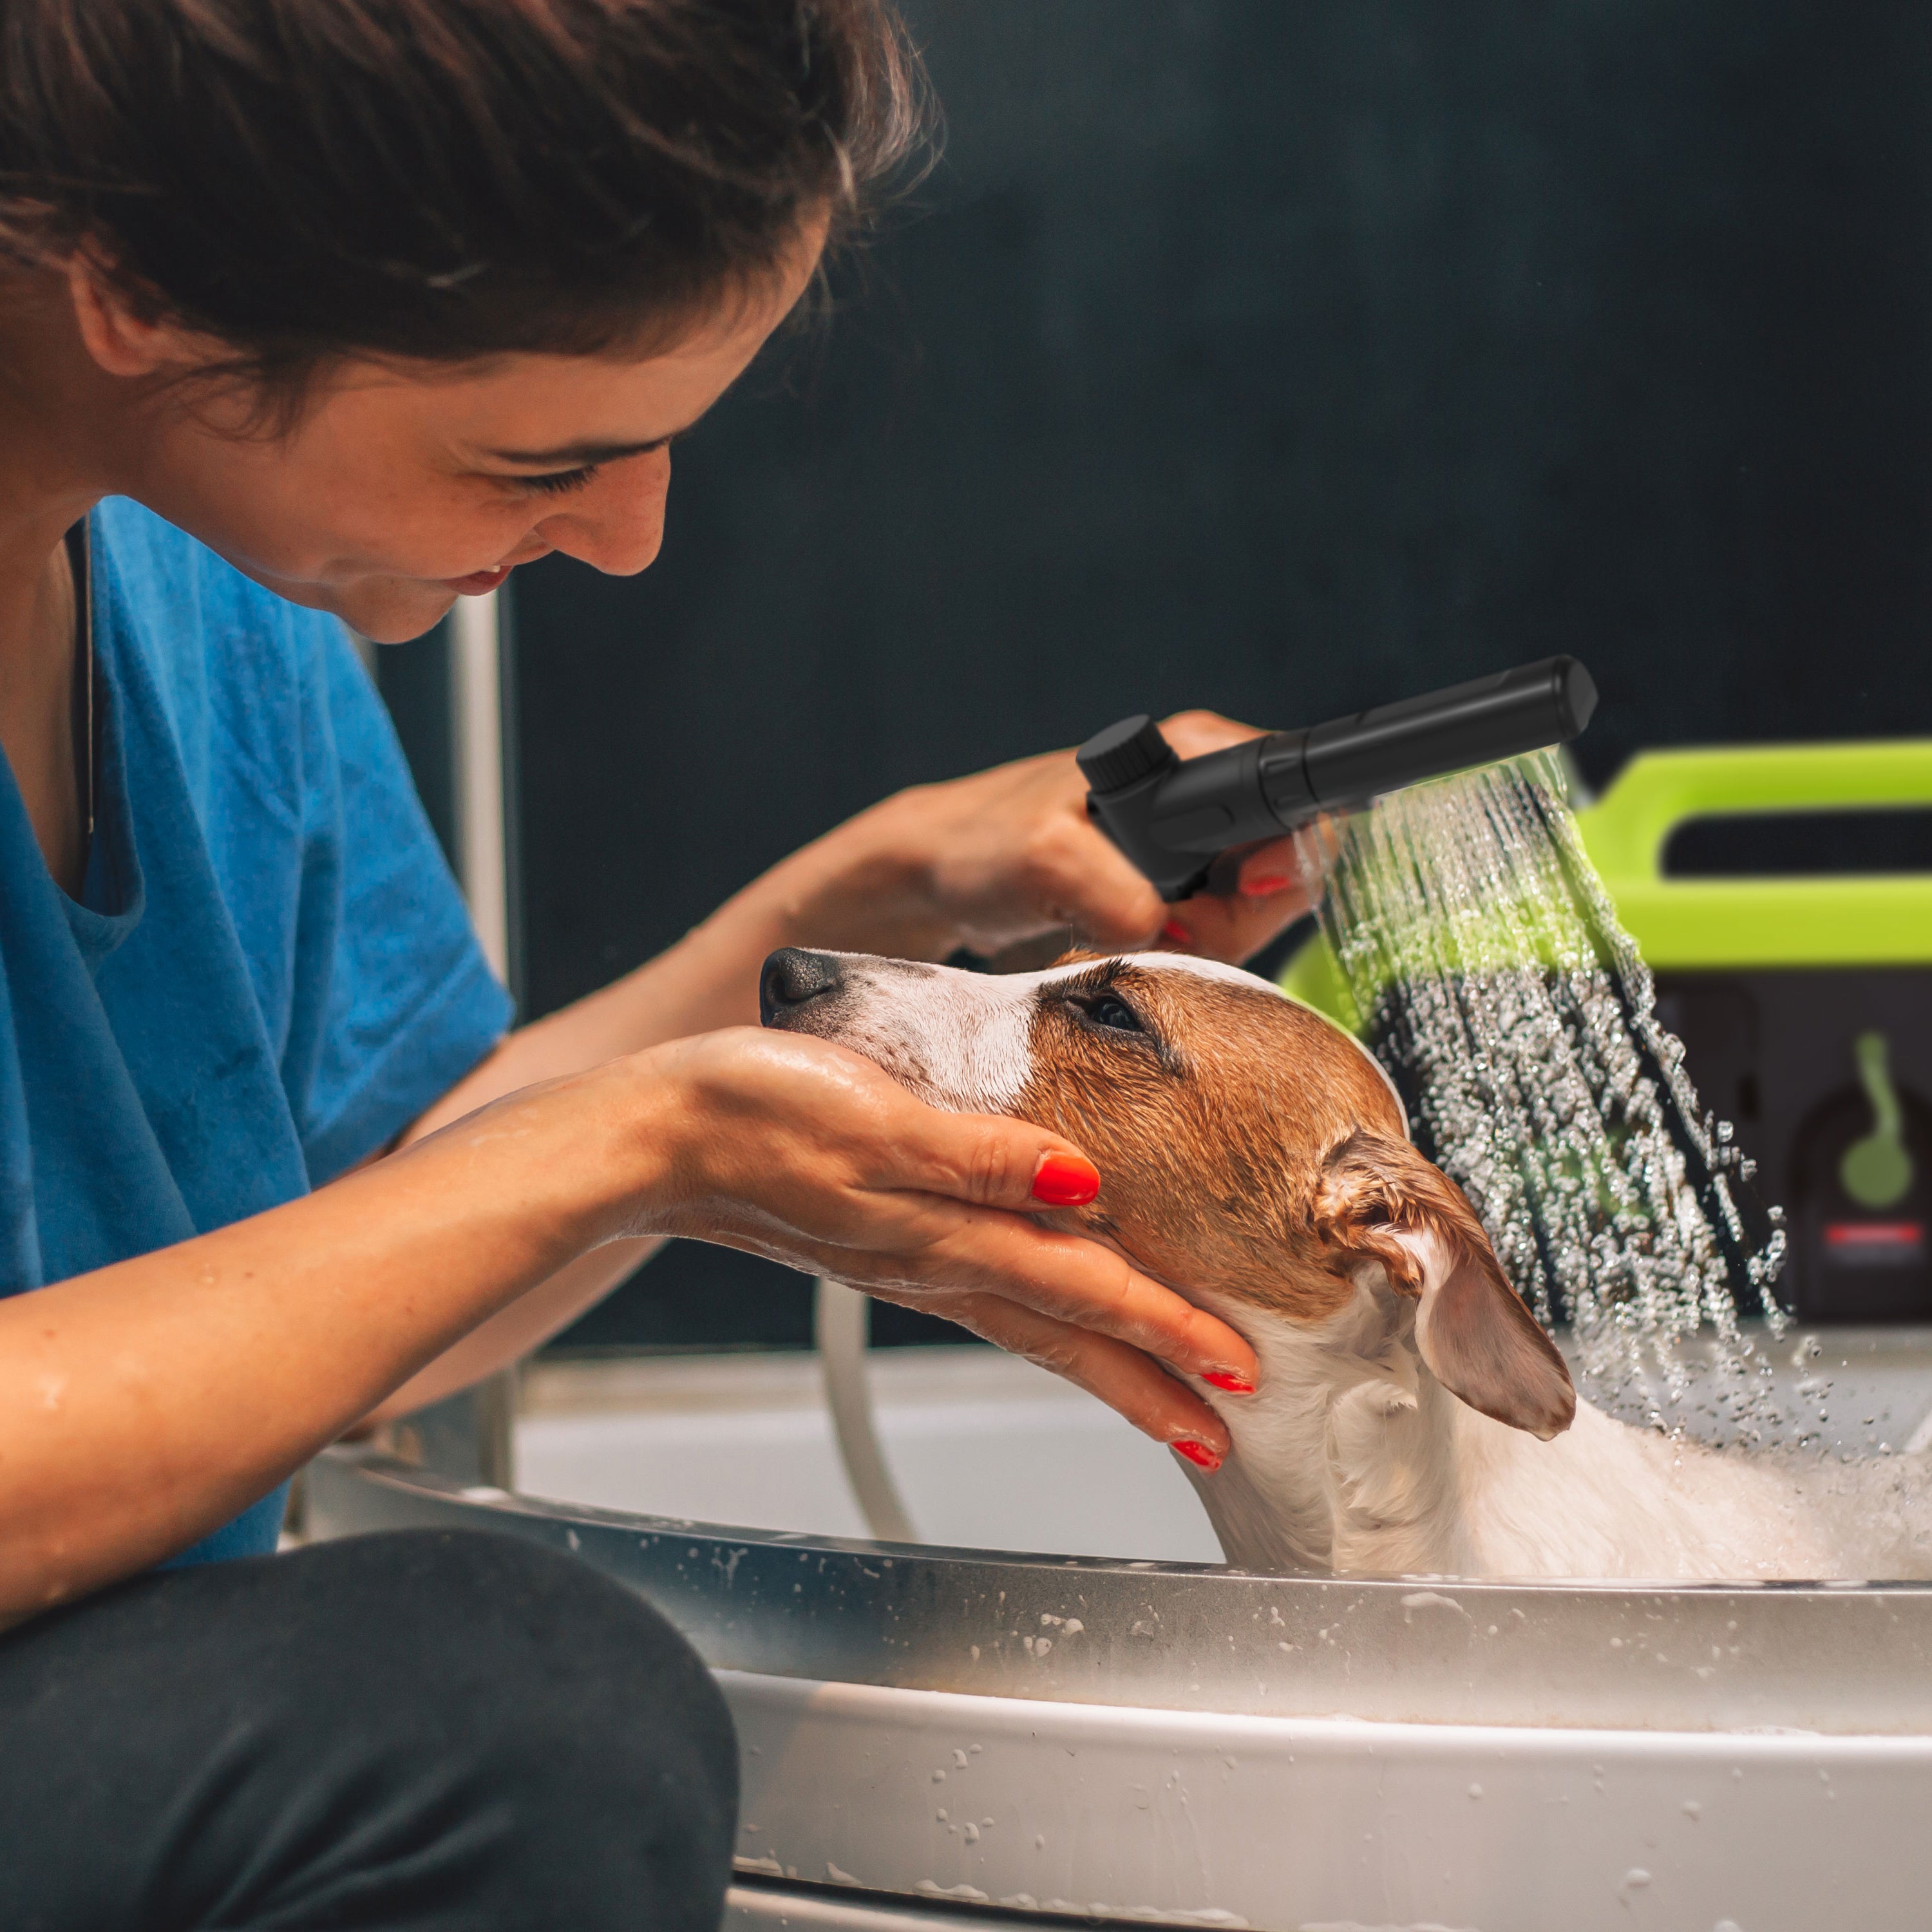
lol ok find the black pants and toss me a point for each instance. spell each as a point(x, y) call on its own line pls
point(420, 1730)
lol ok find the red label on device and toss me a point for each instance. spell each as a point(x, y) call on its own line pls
point(1875, 1243)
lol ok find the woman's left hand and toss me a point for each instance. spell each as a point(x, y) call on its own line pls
point(1008, 855)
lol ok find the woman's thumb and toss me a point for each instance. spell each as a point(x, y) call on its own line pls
point(1013, 1164)
point(1064, 1179)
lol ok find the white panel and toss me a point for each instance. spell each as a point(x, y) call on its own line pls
point(1327, 1823)
point(988, 1451)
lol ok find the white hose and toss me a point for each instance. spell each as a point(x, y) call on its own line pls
point(841, 1323)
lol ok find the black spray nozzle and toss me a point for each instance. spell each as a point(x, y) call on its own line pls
point(1173, 817)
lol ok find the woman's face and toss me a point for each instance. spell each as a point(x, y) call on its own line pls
point(398, 492)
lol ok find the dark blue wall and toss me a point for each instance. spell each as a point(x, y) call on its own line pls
point(1286, 358)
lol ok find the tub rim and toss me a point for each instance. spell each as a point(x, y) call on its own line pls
point(1836, 1658)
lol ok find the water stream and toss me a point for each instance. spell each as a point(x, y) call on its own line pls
point(1491, 978)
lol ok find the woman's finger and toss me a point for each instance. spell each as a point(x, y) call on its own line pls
point(1073, 1279)
point(1272, 870)
point(1269, 893)
point(1074, 874)
point(1122, 1377)
point(1193, 733)
point(988, 1159)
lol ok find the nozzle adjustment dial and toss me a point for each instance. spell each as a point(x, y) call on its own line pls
point(1124, 754)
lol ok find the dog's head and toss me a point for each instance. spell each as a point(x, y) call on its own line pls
point(1248, 1148)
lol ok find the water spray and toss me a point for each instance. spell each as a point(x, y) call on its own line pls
point(1173, 817)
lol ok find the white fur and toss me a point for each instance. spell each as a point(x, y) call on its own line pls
point(1352, 1456)
point(959, 1040)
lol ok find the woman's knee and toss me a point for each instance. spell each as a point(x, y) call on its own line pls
point(439, 1731)
point(577, 1733)
point(497, 1629)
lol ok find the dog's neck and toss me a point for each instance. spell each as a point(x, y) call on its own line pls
point(1350, 1455)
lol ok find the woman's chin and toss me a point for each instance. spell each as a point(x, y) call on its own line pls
point(393, 610)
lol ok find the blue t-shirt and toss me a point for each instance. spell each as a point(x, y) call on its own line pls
point(270, 971)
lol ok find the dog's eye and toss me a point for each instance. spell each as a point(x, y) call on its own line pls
point(1109, 1009)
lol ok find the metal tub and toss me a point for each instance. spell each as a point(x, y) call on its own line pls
point(933, 1734)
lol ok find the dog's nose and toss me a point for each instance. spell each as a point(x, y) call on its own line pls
point(793, 978)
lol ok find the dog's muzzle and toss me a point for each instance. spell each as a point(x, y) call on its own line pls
point(793, 979)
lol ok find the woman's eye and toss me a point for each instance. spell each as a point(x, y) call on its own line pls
point(1111, 1010)
point(558, 482)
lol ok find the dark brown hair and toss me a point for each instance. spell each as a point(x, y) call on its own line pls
point(441, 179)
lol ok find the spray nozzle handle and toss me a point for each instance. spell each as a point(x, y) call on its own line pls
point(1172, 817)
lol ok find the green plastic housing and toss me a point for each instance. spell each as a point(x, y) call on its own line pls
point(1882, 920)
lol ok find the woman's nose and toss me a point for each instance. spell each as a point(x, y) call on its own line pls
point(792, 979)
point(616, 525)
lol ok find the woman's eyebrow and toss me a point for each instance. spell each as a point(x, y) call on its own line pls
point(570, 454)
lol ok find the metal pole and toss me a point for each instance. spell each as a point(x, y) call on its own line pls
point(476, 707)
point(476, 703)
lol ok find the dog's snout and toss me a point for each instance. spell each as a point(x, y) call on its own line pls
point(793, 978)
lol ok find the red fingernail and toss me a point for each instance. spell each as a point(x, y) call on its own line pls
point(1065, 1181)
point(1178, 933)
point(1269, 882)
point(1225, 1379)
point(1198, 1453)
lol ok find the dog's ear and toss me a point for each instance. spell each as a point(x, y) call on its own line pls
point(1379, 1197)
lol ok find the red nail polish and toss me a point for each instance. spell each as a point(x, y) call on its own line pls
point(1198, 1453)
point(1175, 930)
point(1065, 1181)
point(1269, 882)
point(1225, 1378)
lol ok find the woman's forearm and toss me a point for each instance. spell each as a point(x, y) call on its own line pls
point(143, 1405)
point(982, 861)
point(515, 1331)
point(708, 980)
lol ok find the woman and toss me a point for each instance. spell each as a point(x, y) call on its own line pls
point(319, 311)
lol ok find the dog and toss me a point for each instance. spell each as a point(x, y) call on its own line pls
point(1412, 1417)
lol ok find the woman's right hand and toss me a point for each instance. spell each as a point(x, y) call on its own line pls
point(792, 1148)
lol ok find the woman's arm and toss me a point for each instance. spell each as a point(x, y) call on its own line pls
point(981, 862)
point(143, 1405)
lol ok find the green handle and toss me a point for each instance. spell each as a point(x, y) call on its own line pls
point(1875, 1076)
point(1882, 920)
point(1876, 1170)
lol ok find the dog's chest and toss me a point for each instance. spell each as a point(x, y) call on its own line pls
point(1342, 1457)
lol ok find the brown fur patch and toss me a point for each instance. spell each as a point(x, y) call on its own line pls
point(1373, 1183)
point(1210, 1129)
point(1477, 1334)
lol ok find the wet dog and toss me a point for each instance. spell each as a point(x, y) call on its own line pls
point(1411, 1416)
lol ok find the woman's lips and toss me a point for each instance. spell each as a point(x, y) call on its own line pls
point(478, 582)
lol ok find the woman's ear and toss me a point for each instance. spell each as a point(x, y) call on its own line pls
point(121, 341)
point(1379, 1197)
